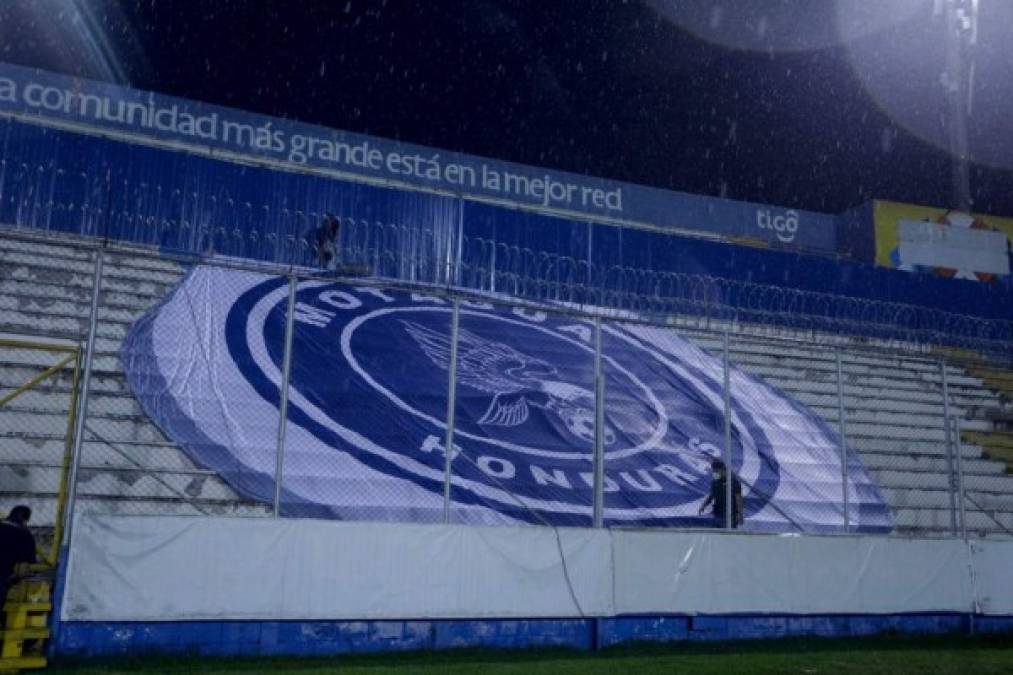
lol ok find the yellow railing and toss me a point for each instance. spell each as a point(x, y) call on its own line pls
point(72, 358)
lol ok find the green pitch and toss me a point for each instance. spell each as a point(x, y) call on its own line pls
point(809, 656)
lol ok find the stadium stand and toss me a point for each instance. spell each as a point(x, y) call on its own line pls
point(892, 403)
point(893, 412)
point(127, 464)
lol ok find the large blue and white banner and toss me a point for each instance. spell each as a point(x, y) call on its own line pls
point(368, 408)
point(154, 119)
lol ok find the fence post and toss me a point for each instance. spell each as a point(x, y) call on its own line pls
point(598, 499)
point(448, 443)
point(949, 448)
point(82, 401)
point(960, 476)
point(843, 425)
point(729, 474)
point(286, 372)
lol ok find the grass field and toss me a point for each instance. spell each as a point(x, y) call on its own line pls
point(808, 656)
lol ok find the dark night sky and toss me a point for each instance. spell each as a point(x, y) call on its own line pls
point(608, 88)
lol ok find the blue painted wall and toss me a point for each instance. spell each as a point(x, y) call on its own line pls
point(68, 182)
point(339, 637)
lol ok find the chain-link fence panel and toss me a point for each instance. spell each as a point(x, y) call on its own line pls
point(366, 401)
point(981, 394)
point(887, 403)
point(45, 291)
point(38, 385)
point(806, 425)
point(175, 423)
point(663, 426)
point(985, 495)
point(525, 411)
point(786, 451)
point(895, 422)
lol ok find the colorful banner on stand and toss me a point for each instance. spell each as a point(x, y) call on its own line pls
point(943, 242)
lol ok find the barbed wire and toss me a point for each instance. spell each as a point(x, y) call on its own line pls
point(195, 222)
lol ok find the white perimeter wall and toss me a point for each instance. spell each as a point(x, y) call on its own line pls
point(143, 568)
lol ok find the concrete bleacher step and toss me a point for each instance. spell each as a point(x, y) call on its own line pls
point(145, 270)
point(70, 281)
point(53, 399)
point(112, 283)
point(822, 364)
point(853, 373)
point(865, 417)
point(120, 482)
point(42, 323)
point(43, 506)
point(50, 450)
point(931, 464)
point(921, 521)
point(50, 246)
point(748, 350)
point(67, 312)
point(828, 401)
point(105, 382)
point(907, 447)
point(996, 445)
point(923, 498)
point(65, 244)
point(140, 484)
point(995, 374)
point(828, 380)
point(16, 420)
point(870, 394)
point(77, 297)
point(1000, 484)
point(799, 372)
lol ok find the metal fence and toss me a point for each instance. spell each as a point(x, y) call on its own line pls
point(39, 381)
point(898, 411)
point(430, 248)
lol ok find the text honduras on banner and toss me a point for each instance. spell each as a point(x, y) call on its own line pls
point(368, 402)
point(41, 96)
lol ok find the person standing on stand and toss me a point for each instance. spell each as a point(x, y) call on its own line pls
point(17, 545)
point(719, 493)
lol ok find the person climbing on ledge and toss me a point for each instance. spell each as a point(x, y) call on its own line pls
point(327, 242)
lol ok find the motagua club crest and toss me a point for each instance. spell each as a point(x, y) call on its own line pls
point(368, 407)
point(370, 373)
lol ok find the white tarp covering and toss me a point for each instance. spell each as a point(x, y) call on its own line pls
point(720, 574)
point(993, 576)
point(135, 568)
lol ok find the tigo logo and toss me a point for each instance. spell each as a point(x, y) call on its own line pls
point(784, 226)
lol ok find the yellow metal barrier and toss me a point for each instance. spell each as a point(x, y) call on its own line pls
point(26, 615)
point(28, 603)
point(72, 358)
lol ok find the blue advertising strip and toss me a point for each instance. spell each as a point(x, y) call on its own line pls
point(49, 98)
